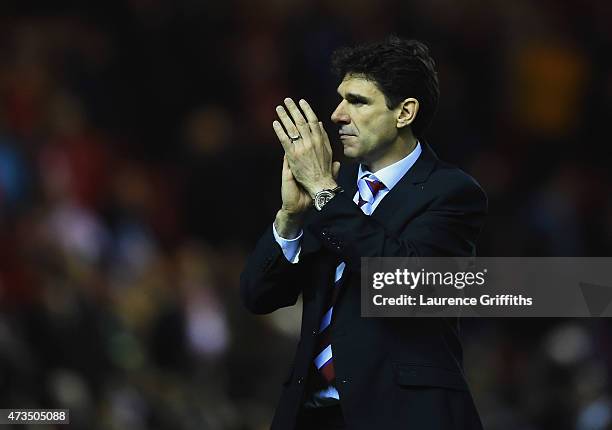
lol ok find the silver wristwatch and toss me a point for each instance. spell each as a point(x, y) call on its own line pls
point(323, 196)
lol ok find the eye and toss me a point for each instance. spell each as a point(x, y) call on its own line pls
point(356, 100)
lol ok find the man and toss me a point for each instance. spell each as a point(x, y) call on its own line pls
point(398, 200)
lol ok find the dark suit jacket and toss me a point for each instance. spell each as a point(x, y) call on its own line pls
point(391, 373)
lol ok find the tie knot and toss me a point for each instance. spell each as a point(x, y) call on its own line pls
point(369, 186)
point(374, 184)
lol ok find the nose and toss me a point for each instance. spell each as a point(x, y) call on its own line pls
point(339, 115)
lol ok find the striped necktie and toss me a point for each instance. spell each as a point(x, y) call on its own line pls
point(368, 187)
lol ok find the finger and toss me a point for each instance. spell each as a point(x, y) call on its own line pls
point(282, 136)
point(326, 142)
point(323, 132)
point(298, 118)
point(312, 119)
point(335, 169)
point(318, 139)
point(287, 122)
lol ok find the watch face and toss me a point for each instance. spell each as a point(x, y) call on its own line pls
point(322, 198)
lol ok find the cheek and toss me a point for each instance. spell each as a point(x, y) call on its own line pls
point(381, 128)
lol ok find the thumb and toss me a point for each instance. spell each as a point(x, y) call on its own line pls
point(335, 169)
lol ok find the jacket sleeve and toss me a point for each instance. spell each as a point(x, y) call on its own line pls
point(448, 226)
point(269, 281)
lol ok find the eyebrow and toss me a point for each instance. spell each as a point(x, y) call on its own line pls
point(356, 98)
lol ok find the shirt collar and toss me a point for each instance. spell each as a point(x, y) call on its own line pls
point(392, 174)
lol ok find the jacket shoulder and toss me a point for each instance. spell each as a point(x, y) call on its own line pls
point(449, 179)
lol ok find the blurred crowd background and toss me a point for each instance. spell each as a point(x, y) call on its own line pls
point(138, 166)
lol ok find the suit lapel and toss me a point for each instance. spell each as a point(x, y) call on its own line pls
point(347, 179)
point(408, 192)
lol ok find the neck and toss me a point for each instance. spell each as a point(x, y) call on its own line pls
point(399, 149)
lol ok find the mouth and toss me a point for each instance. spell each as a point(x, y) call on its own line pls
point(345, 133)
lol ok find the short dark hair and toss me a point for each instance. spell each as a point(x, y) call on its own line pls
point(401, 68)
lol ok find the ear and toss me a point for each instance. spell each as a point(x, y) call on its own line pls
point(408, 110)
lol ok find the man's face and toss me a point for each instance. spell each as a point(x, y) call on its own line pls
point(367, 127)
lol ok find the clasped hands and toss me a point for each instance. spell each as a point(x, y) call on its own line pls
point(307, 164)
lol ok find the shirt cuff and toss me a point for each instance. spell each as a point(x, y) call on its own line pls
point(291, 247)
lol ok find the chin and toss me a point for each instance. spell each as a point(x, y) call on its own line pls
point(350, 153)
